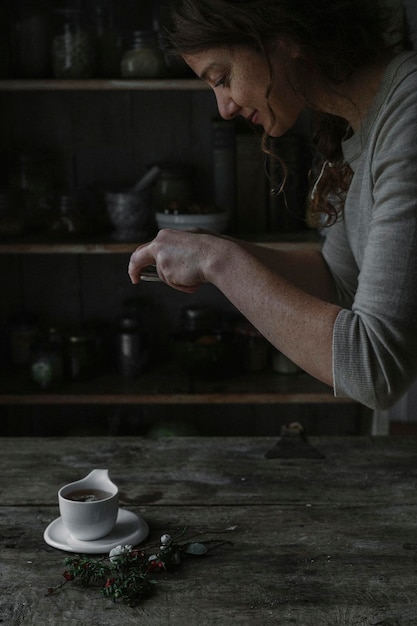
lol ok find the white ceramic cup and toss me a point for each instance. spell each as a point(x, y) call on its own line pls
point(86, 518)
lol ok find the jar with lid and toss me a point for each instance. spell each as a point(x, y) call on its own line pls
point(47, 359)
point(200, 346)
point(132, 347)
point(143, 57)
point(30, 39)
point(79, 356)
point(73, 53)
point(173, 190)
point(70, 215)
point(197, 320)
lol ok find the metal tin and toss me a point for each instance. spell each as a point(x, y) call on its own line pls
point(132, 348)
point(79, 357)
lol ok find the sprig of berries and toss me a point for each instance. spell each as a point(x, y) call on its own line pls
point(127, 574)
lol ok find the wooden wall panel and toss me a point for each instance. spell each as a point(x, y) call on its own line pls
point(159, 127)
point(200, 137)
point(51, 285)
point(174, 126)
point(11, 295)
point(102, 137)
point(41, 123)
point(105, 285)
point(11, 299)
point(5, 137)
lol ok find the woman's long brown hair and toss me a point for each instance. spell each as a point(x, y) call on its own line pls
point(335, 39)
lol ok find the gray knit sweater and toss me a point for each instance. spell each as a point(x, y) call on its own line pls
point(372, 251)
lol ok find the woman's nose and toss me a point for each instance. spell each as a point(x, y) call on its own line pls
point(228, 108)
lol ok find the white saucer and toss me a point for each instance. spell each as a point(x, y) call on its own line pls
point(129, 529)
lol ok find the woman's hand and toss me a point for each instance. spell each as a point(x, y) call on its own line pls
point(182, 258)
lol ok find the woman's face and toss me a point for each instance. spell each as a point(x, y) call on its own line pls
point(240, 78)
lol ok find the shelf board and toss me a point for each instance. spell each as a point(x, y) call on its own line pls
point(167, 84)
point(173, 387)
point(32, 246)
point(196, 398)
point(308, 240)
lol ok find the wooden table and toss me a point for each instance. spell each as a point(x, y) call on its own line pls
point(318, 542)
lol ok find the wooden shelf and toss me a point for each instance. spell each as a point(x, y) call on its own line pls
point(308, 240)
point(167, 84)
point(170, 386)
point(154, 387)
point(32, 246)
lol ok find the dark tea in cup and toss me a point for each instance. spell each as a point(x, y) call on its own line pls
point(87, 495)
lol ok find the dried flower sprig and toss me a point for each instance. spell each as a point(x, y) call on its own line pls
point(127, 574)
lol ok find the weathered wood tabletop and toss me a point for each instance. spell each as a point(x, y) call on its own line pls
point(317, 541)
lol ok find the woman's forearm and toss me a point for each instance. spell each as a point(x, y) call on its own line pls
point(286, 296)
point(306, 269)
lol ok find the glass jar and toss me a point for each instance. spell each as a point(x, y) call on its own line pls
point(173, 190)
point(199, 346)
point(132, 347)
point(73, 54)
point(143, 57)
point(30, 39)
point(197, 320)
point(71, 219)
point(79, 356)
point(47, 360)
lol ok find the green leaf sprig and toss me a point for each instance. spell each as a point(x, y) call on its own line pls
point(127, 574)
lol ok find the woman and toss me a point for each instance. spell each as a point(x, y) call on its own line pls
point(348, 314)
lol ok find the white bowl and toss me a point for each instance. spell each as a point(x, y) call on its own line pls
point(217, 222)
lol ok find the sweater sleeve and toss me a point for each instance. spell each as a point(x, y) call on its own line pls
point(373, 259)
